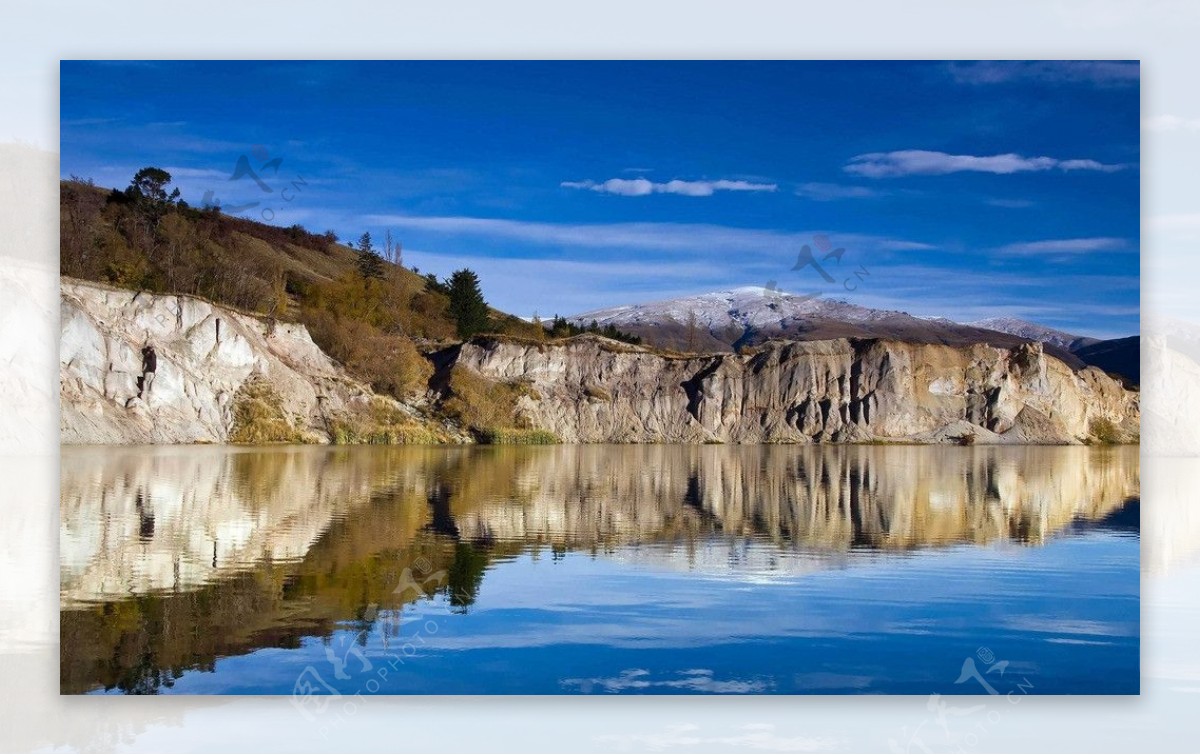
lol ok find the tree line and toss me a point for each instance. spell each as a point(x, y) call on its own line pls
point(361, 305)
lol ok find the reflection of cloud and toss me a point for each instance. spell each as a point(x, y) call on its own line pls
point(1052, 625)
point(691, 680)
point(1012, 204)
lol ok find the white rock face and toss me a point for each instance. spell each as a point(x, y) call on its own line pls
point(205, 354)
point(590, 389)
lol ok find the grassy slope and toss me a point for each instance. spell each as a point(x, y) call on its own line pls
point(380, 330)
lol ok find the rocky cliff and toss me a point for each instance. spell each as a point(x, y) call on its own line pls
point(209, 359)
point(844, 390)
point(214, 362)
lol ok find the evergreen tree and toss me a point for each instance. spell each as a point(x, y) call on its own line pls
point(467, 306)
point(370, 264)
point(149, 185)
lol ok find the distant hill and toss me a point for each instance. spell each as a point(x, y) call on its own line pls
point(1035, 332)
point(1119, 356)
point(1116, 356)
point(728, 320)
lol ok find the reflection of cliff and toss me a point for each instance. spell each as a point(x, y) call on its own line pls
point(134, 521)
point(175, 557)
point(819, 498)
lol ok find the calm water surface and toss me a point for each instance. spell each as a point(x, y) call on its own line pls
point(599, 569)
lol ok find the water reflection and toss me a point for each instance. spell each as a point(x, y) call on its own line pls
point(175, 557)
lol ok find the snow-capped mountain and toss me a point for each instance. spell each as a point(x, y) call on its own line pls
point(749, 315)
point(748, 306)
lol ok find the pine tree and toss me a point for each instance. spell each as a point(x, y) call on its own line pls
point(370, 264)
point(467, 305)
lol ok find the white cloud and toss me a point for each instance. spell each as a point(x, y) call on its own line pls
point(1164, 123)
point(1094, 72)
point(921, 162)
point(824, 192)
point(1064, 246)
point(201, 173)
point(897, 245)
point(1014, 204)
point(630, 237)
point(640, 187)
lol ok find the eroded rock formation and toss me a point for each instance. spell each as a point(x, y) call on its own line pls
point(591, 389)
point(206, 355)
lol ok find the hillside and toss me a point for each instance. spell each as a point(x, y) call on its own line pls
point(375, 325)
point(1119, 356)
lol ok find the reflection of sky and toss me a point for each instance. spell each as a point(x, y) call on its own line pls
point(1065, 617)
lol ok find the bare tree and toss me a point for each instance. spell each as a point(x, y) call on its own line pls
point(392, 250)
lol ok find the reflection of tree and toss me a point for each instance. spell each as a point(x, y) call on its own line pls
point(466, 575)
point(441, 520)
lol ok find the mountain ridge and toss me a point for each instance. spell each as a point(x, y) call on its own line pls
point(751, 315)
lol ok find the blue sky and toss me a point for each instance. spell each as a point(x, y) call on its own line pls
point(966, 189)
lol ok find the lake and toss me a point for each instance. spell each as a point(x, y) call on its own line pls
point(322, 571)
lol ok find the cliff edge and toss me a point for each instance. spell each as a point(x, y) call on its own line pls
point(590, 389)
point(225, 376)
point(222, 376)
